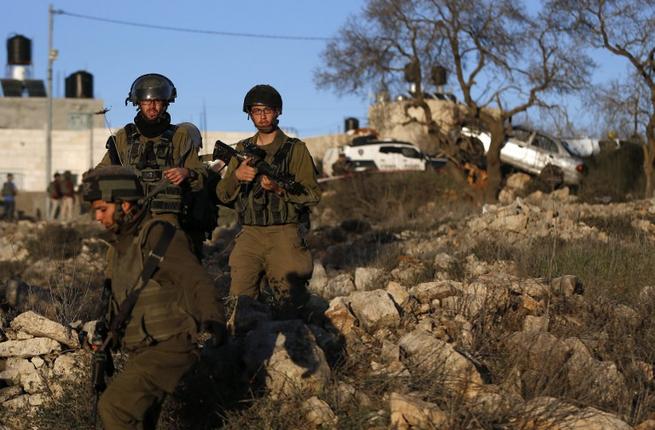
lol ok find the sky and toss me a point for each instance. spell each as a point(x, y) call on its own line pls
point(211, 72)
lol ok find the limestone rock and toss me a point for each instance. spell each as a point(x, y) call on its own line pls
point(532, 323)
point(285, 358)
point(340, 285)
point(397, 292)
point(40, 326)
point(426, 292)
point(548, 413)
point(367, 277)
point(566, 285)
point(411, 271)
point(439, 359)
point(29, 348)
point(318, 413)
point(10, 392)
point(374, 309)
point(518, 181)
point(339, 315)
point(409, 411)
point(319, 279)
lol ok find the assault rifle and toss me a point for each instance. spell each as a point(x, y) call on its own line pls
point(226, 153)
point(102, 364)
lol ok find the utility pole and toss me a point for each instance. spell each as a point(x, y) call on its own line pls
point(52, 56)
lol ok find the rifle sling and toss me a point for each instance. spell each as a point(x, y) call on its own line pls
point(149, 267)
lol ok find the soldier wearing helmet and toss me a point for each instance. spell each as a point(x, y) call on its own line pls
point(271, 243)
point(175, 298)
point(158, 149)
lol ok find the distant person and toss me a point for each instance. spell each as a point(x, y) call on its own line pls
point(271, 243)
point(9, 192)
point(67, 197)
point(158, 149)
point(341, 166)
point(54, 192)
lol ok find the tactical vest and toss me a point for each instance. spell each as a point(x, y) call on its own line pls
point(151, 159)
point(256, 206)
point(160, 311)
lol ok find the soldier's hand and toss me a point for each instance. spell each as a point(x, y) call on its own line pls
point(176, 174)
point(270, 185)
point(245, 172)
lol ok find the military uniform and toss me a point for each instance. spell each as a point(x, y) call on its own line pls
point(151, 156)
point(165, 319)
point(271, 241)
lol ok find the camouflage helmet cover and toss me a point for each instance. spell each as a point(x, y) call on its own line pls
point(111, 184)
point(151, 86)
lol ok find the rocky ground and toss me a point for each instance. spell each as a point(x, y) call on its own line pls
point(405, 329)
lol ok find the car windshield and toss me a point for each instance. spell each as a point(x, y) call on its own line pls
point(567, 147)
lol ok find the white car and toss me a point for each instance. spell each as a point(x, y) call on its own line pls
point(531, 151)
point(373, 154)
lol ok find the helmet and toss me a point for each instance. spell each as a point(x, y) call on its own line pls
point(111, 184)
point(194, 134)
point(151, 86)
point(262, 94)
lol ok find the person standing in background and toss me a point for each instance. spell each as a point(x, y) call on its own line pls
point(54, 192)
point(9, 192)
point(68, 197)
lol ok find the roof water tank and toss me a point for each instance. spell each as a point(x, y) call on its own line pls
point(19, 50)
point(351, 123)
point(439, 75)
point(79, 85)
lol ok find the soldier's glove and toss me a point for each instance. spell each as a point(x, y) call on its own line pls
point(218, 332)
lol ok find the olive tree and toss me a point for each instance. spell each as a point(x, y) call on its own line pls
point(505, 59)
point(625, 28)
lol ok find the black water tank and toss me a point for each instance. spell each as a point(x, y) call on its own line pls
point(351, 123)
point(79, 85)
point(19, 50)
point(439, 75)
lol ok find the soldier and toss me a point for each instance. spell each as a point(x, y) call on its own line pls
point(171, 297)
point(271, 242)
point(158, 149)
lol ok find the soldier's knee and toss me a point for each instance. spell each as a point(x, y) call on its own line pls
point(111, 415)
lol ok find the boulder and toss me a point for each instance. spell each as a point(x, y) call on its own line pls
point(374, 309)
point(566, 286)
point(518, 181)
point(10, 392)
point(409, 411)
point(439, 360)
point(397, 292)
point(367, 277)
point(39, 326)
point(340, 285)
point(318, 413)
point(426, 292)
point(29, 347)
point(548, 413)
point(340, 316)
point(319, 278)
point(285, 359)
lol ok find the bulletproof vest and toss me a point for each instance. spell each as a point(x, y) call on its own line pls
point(159, 312)
point(151, 159)
point(256, 206)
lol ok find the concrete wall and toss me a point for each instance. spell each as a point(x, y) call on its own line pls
point(31, 113)
point(397, 120)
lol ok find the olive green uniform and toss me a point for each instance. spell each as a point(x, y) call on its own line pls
point(164, 323)
point(178, 153)
point(271, 242)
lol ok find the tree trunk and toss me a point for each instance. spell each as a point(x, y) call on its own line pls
point(494, 176)
point(649, 157)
